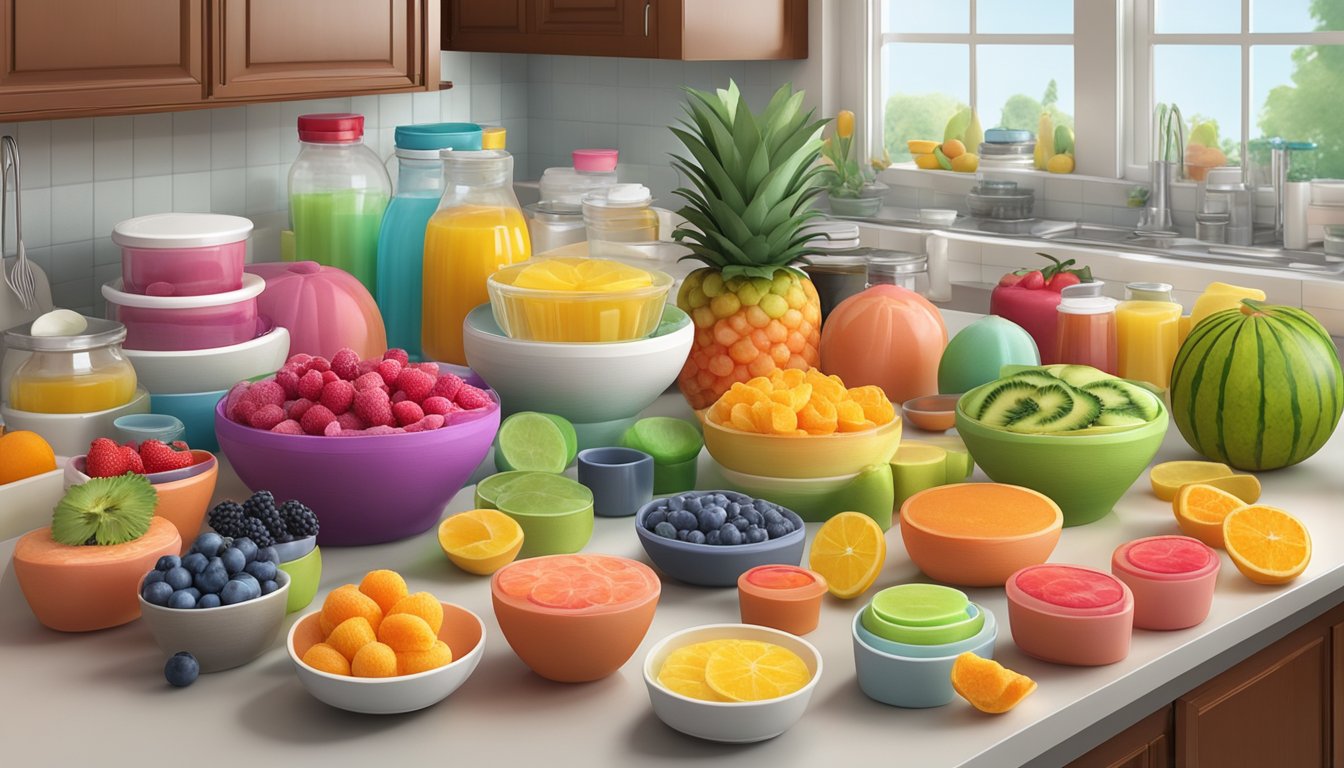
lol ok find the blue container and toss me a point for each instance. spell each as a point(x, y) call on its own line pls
point(196, 412)
point(401, 240)
point(914, 682)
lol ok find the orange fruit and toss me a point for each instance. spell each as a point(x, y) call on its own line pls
point(1268, 545)
point(324, 658)
point(876, 407)
point(1168, 477)
point(385, 587)
point(347, 602)
point(424, 605)
point(412, 662)
point(481, 541)
point(1200, 509)
point(849, 551)
point(351, 635)
point(403, 632)
point(374, 660)
point(953, 148)
point(683, 671)
point(987, 685)
point(24, 454)
point(750, 670)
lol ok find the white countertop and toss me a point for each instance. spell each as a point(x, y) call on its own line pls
point(101, 697)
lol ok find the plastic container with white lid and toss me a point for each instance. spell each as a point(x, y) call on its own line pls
point(620, 213)
point(182, 254)
point(1087, 328)
point(187, 322)
point(592, 169)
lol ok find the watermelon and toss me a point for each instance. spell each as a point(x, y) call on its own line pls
point(1258, 387)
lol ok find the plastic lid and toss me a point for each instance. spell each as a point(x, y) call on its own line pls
point(921, 605)
point(331, 127)
point(619, 196)
point(462, 136)
point(1148, 291)
point(1085, 299)
point(594, 160)
point(1007, 136)
point(1300, 146)
point(493, 137)
point(97, 333)
point(253, 285)
point(832, 235)
point(181, 230)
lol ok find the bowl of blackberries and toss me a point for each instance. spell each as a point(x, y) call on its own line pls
point(291, 527)
point(709, 538)
point(223, 601)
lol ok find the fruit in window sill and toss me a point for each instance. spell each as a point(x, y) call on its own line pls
point(944, 162)
point(1045, 141)
point(966, 163)
point(1030, 298)
point(927, 161)
point(1199, 159)
point(1060, 163)
point(1204, 135)
point(24, 454)
point(964, 126)
point(1063, 139)
point(921, 146)
point(953, 148)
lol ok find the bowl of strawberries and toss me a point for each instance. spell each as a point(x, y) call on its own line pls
point(375, 447)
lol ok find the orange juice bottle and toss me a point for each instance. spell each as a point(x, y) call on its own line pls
point(478, 230)
point(1147, 333)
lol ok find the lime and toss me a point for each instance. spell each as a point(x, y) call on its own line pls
point(571, 437)
point(667, 440)
point(491, 487)
point(531, 441)
point(542, 494)
point(920, 605)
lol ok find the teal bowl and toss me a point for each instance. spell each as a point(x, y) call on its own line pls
point(914, 682)
point(304, 575)
point(1084, 474)
point(196, 411)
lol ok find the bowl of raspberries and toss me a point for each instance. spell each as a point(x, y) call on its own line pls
point(375, 448)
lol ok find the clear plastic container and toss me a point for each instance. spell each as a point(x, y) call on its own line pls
point(478, 230)
point(1000, 199)
point(338, 191)
point(554, 225)
point(168, 323)
point(908, 270)
point(1087, 333)
point(401, 238)
point(593, 169)
point(576, 316)
point(182, 254)
point(618, 214)
point(83, 373)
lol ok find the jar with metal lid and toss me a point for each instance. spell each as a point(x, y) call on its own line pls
point(83, 372)
point(908, 270)
point(841, 268)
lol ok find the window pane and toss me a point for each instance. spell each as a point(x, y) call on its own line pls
point(926, 16)
point(1015, 83)
point(1295, 96)
point(1205, 82)
point(1036, 17)
point(923, 85)
point(1186, 16)
point(1296, 15)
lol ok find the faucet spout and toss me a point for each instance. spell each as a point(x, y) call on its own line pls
point(1168, 159)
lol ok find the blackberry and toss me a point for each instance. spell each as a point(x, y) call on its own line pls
point(256, 531)
point(299, 519)
point(227, 519)
point(262, 506)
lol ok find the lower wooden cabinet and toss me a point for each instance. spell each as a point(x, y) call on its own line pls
point(1146, 744)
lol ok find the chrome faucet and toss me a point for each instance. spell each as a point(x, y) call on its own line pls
point(1168, 159)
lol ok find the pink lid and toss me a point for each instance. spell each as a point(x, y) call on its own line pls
point(331, 127)
point(1070, 587)
point(1172, 557)
point(594, 160)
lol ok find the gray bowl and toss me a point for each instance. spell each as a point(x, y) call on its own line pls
point(708, 565)
point(220, 638)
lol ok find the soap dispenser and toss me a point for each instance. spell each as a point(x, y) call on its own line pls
point(1086, 328)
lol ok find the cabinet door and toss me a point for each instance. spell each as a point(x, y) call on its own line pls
point(1146, 744)
point(82, 55)
point(303, 47)
point(580, 27)
point(1271, 710)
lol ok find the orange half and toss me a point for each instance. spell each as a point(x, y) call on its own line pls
point(1200, 509)
point(1268, 545)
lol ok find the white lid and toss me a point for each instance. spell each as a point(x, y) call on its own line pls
point(620, 196)
point(1085, 299)
point(1223, 178)
point(253, 285)
point(181, 230)
point(832, 235)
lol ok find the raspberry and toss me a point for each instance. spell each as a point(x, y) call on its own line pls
point(235, 396)
point(316, 419)
point(398, 397)
point(289, 381)
point(382, 429)
point(104, 459)
point(266, 392)
point(332, 429)
point(429, 422)
point(415, 383)
point(351, 433)
point(318, 364)
point(299, 358)
point(345, 363)
point(440, 405)
point(242, 412)
point(389, 370)
point(256, 531)
point(299, 519)
point(267, 416)
point(338, 395)
point(370, 380)
point(349, 420)
point(288, 427)
point(310, 385)
point(398, 354)
point(366, 366)
point(299, 408)
point(406, 412)
point(228, 519)
point(471, 398)
point(431, 368)
point(374, 407)
point(447, 386)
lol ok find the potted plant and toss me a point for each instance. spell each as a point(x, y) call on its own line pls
point(83, 571)
point(851, 191)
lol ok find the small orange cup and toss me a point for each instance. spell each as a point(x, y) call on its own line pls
point(785, 597)
point(184, 502)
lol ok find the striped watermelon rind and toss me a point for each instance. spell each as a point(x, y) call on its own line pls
point(1257, 387)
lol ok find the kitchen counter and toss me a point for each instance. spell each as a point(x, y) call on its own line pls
point(100, 698)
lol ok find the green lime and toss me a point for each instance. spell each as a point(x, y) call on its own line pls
point(529, 440)
point(920, 605)
point(571, 437)
point(491, 487)
point(667, 440)
point(490, 490)
point(544, 495)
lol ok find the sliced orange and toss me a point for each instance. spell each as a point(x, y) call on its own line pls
point(849, 551)
point(684, 670)
point(1168, 477)
point(750, 670)
point(481, 541)
point(987, 685)
point(1268, 545)
point(1200, 509)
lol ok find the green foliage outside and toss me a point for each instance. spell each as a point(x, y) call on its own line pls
point(1312, 109)
point(924, 115)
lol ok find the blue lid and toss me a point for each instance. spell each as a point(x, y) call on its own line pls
point(1007, 136)
point(1300, 146)
point(460, 136)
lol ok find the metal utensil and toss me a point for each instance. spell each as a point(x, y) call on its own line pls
point(20, 278)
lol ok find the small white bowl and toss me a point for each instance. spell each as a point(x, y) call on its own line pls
point(730, 722)
point(70, 433)
point(27, 504)
point(937, 217)
point(207, 370)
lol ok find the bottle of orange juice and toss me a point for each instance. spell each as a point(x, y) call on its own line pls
point(478, 229)
point(1147, 330)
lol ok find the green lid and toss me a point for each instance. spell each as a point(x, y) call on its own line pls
point(495, 488)
point(921, 605)
point(667, 440)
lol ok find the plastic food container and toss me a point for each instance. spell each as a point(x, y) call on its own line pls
point(913, 676)
point(922, 614)
point(617, 214)
point(1069, 614)
point(554, 225)
point(592, 169)
point(182, 254)
point(187, 322)
point(785, 597)
point(1172, 578)
point(84, 373)
point(1000, 200)
point(576, 316)
point(937, 217)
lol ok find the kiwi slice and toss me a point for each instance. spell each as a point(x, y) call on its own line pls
point(1145, 403)
point(1086, 410)
point(1053, 402)
point(1082, 375)
point(105, 511)
point(1035, 377)
point(973, 402)
point(1128, 417)
point(1112, 397)
point(1008, 402)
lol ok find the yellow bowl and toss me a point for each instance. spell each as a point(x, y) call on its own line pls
point(802, 456)
point(575, 316)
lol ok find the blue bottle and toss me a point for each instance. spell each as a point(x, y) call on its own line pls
point(401, 240)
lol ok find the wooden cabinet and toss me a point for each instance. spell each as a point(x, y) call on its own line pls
point(666, 29)
point(1146, 744)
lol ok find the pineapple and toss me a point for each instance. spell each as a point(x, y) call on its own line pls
point(755, 177)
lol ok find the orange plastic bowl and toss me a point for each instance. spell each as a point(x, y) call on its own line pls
point(185, 502)
point(979, 534)
point(932, 413)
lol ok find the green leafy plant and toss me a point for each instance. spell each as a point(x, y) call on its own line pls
point(842, 176)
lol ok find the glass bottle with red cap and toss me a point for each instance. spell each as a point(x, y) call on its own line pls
point(338, 190)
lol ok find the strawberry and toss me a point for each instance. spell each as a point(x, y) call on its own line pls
point(133, 461)
point(1063, 280)
point(1012, 278)
point(158, 457)
point(1032, 281)
point(105, 459)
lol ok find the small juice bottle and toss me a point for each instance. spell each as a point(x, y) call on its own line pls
point(1086, 333)
point(1147, 333)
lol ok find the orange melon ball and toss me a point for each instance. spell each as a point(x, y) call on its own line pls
point(348, 602)
point(406, 632)
point(351, 635)
point(375, 660)
point(412, 662)
point(385, 587)
point(424, 605)
point(324, 658)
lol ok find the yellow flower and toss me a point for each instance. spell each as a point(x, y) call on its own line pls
point(844, 124)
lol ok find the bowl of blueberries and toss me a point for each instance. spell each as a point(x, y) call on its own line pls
point(223, 601)
point(709, 538)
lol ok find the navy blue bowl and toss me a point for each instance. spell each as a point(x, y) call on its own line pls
point(711, 565)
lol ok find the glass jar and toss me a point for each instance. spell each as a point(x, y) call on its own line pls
point(908, 270)
point(82, 373)
point(1086, 334)
point(620, 213)
point(554, 225)
point(477, 230)
point(592, 169)
point(401, 237)
point(338, 190)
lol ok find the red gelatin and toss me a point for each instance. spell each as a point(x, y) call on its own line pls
point(1169, 554)
point(779, 577)
point(1070, 587)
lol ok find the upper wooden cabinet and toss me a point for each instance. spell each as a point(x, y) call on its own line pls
point(665, 29)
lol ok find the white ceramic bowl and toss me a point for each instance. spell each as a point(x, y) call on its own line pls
point(70, 433)
point(392, 695)
point(220, 638)
point(731, 722)
point(27, 504)
point(207, 370)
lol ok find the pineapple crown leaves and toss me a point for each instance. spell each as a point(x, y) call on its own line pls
point(754, 178)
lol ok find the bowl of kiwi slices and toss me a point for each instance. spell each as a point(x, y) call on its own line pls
point(1076, 434)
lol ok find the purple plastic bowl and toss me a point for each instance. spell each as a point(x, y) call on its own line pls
point(365, 490)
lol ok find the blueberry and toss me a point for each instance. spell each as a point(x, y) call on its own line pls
point(734, 509)
point(754, 517)
point(181, 599)
point(234, 560)
point(695, 537)
point(234, 591)
point(151, 577)
point(251, 582)
point(676, 503)
point(210, 600)
point(195, 562)
point(712, 538)
point(681, 535)
point(261, 569)
point(720, 500)
point(213, 578)
point(711, 518)
point(666, 530)
point(776, 530)
point(695, 504)
point(762, 505)
point(268, 586)
point(268, 554)
point(157, 593)
point(194, 592)
point(248, 547)
point(655, 517)
point(683, 520)
point(209, 543)
point(167, 563)
point(756, 535)
point(178, 578)
point(740, 523)
point(729, 535)
point(181, 670)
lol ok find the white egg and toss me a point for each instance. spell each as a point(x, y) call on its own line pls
point(59, 322)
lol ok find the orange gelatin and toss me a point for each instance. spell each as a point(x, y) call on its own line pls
point(981, 510)
point(780, 577)
point(579, 583)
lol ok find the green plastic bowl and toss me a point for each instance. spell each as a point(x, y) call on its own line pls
point(1084, 474)
point(942, 634)
point(305, 574)
point(544, 533)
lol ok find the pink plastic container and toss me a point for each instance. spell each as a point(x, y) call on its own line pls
point(324, 308)
point(182, 254)
point(1069, 614)
point(1172, 578)
point(169, 323)
point(594, 160)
